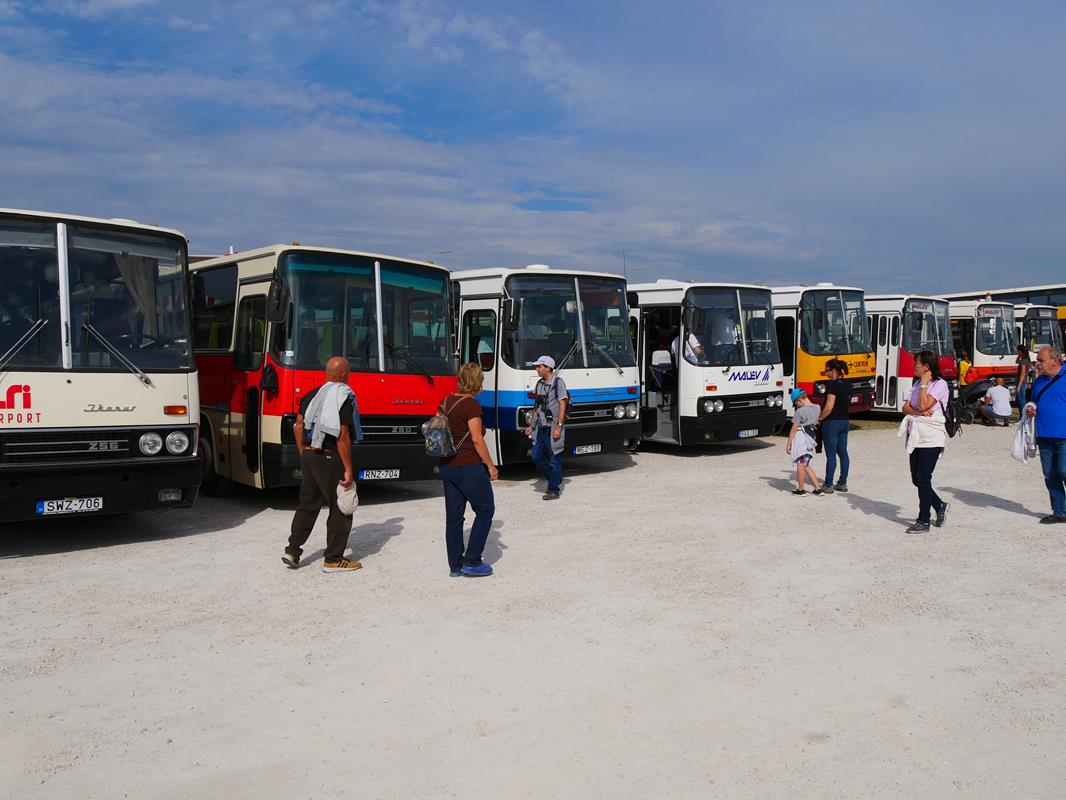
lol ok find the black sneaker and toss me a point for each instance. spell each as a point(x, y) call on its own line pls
point(291, 560)
point(942, 515)
point(817, 492)
point(549, 495)
point(841, 487)
point(919, 527)
point(803, 492)
point(1051, 519)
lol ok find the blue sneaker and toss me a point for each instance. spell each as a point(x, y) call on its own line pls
point(476, 570)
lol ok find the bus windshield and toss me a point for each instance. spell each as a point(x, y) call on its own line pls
point(833, 322)
point(927, 326)
point(1042, 329)
point(127, 298)
point(736, 327)
point(550, 321)
point(334, 312)
point(995, 330)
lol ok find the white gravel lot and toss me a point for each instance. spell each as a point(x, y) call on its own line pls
point(678, 625)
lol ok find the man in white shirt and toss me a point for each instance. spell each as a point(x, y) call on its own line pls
point(996, 403)
point(693, 349)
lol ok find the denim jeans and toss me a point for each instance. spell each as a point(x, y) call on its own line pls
point(1053, 461)
point(923, 462)
point(835, 441)
point(550, 464)
point(467, 484)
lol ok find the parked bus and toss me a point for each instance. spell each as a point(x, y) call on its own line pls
point(817, 323)
point(98, 390)
point(1037, 326)
point(265, 323)
point(1053, 295)
point(510, 317)
point(900, 326)
point(985, 329)
point(710, 367)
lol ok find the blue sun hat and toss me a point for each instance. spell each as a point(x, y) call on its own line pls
point(796, 394)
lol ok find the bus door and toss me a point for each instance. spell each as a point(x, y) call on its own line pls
point(241, 427)
point(886, 345)
point(480, 343)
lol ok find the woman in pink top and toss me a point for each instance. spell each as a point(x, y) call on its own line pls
point(929, 397)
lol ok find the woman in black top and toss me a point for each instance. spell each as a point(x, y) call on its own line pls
point(834, 419)
point(1025, 372)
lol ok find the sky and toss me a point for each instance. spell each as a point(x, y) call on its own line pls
point(892, 145)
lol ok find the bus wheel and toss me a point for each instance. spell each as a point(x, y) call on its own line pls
point(211, 483)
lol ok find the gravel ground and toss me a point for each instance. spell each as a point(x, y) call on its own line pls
point(678, 625)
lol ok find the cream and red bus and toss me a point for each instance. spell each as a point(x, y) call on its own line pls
point(265, 323)
point(985, 330)
point(98, 386)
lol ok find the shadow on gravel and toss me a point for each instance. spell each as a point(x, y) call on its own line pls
point(875, 508)
point(494, 546)
point(364, 540)
point(982, 500)
point(709, 449)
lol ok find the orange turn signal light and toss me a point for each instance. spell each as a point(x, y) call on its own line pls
point(712, 388)
point(175, 411)
point(780, 383)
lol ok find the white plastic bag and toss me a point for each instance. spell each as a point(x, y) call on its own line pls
point(1023, 448)
point(347, 499)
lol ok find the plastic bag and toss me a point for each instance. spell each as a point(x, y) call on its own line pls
point(347, 499)
point(1023, 448)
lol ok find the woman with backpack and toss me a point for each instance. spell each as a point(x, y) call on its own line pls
point(924, 425)
point(467, 477)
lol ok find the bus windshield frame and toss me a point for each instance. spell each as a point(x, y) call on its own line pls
point(552, 321)
point(737, 327)
point(126, 297)
point(994, 329)
point(833, 322)
point(1041, 328)
point(384, 315)
point(927, 326)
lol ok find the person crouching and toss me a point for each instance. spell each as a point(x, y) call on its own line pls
point(801, 442)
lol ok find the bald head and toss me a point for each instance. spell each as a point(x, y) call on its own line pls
point(337, 369)
point(1049, 361)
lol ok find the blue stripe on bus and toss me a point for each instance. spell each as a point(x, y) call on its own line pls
point(500, 407)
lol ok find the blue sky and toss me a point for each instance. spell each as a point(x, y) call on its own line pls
point(896, 145)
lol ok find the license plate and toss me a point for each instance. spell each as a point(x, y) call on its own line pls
point(585, 449)
point(70, 505)
point(378, 474)
point(747, 433)
point(855, 398)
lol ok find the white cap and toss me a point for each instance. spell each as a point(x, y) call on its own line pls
point(547, 361)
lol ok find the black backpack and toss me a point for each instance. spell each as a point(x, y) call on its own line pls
point(952, 416)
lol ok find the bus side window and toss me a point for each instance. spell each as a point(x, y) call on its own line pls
point(251, 332)
point(786, 340)
point(479, 338)
point(214, 298)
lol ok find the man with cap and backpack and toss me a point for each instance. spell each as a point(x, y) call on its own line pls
point(549, 415)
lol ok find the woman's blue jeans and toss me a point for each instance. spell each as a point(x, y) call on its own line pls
point(835, 441)
point(467, 484)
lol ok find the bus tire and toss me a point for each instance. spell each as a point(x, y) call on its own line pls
point(211, 483)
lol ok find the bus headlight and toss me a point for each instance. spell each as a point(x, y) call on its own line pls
point(619, 412)
point(528, 417)
point(708, 406)
point(177, 443)
point(819, 388)
point(631, 411)
point(780, 400)
point(150, 443)
point(719, 405)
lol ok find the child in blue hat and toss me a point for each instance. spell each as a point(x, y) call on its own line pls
point(801, 442)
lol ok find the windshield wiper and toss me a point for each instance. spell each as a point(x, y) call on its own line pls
point(569, 353)
point(115, 354)
point(362, 346)
point(27, 337)
point(395, 348)
point(601, 348)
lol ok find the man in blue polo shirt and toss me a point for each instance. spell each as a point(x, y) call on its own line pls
point(1048, 404)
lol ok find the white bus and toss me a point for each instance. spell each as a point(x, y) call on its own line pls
point(1037, 326)
point(507, 318)
point(984, 330)
point(710, 365)
point(98, 389)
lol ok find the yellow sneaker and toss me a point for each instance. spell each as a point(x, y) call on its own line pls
point(344, 565)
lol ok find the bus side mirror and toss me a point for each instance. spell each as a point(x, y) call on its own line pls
point(694, 319)
point(277, 301)
point(510, 314)
point(916, 322)
point(268, 381)
point(819, 318)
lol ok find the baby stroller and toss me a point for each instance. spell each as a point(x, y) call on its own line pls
point(970, 400)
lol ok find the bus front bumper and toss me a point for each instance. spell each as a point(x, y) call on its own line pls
point(728, 427)
point(587, 438)
point(405, 461)
point(143, 485)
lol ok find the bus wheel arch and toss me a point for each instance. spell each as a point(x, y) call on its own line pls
point(211, 483)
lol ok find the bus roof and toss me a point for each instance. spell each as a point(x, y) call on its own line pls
point(1049, 287)
point(668, 290)
point(116, 222)
point(787, 296)
point(278, 249)
point(876, 297)
point(490, 280)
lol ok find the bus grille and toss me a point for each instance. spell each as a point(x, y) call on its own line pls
point(381, 428)
point(590, 412)
point(32, 447)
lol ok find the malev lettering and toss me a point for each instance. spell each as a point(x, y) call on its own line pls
point(749, 375)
